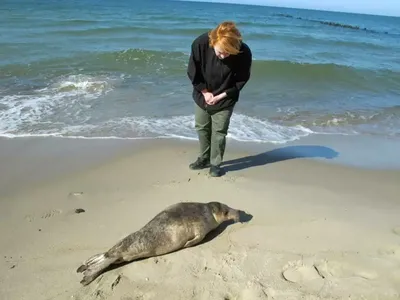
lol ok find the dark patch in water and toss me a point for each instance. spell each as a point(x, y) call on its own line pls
point(329, 23)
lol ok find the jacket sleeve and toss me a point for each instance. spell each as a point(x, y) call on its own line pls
point(242, 74)
point(194, 68)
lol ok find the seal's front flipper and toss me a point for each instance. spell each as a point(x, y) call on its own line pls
point(197, 239)
point(94, 266)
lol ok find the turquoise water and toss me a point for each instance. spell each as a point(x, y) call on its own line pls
point(118, 69)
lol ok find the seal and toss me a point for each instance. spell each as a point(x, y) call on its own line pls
point(178, 226)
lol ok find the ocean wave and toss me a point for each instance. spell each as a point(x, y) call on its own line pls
point(70, 106)
point(138, 31)
point(69, 96)
point(68, 23)
point(326, 41)
point(133, 61)
point(378, 121)
point(140, 62)
point(263, 25)
point(82, 84)
point(332, 74)
point(243, 128)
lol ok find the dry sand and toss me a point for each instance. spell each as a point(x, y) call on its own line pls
point(318, 231)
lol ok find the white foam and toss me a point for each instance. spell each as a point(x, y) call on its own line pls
point(68, 100)
point(22, 109)
point(242, 128)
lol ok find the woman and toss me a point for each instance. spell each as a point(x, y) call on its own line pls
point(219, 67)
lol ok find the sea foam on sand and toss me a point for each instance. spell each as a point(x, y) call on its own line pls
point(318, 231)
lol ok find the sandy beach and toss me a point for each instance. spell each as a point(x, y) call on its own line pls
point(317, 230)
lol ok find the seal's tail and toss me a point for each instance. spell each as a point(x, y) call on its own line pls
point(92, 267)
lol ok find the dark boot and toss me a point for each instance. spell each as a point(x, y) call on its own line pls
point(215, 171)
point(200, 163)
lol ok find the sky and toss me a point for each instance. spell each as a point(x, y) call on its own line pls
point(379, 7)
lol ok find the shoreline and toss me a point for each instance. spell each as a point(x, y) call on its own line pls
point(62, 157)
point(363, 152)
point(306, 216)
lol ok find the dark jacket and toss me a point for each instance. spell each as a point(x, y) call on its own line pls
point(206, 71)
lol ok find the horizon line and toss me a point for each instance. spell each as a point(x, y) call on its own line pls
point(290, 7)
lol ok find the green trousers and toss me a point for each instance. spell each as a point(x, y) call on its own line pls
point(212, 130)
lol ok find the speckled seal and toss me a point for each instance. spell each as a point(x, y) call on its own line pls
point(179, 226)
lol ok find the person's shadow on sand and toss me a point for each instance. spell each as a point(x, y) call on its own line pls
point(277, 155)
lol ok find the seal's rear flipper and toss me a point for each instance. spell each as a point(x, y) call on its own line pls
point(94, 266)
point(89, 262)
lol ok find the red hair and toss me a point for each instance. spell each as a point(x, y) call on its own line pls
point(227, 36)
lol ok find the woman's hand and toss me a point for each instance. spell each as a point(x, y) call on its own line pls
point(207, 96)
point(216, 99)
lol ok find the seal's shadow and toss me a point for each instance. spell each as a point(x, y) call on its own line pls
point(243, 218)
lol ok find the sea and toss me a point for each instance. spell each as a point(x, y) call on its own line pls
point(117, 70)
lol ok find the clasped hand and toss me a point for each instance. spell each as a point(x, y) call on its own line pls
point(211, 99)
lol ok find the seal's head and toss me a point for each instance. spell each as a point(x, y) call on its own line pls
point(223, 212)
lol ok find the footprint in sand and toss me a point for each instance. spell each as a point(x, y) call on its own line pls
point(171, 184)
point(298, 273)
point(29, 218)
point(228, 178)
point(51, 213)
point(313, 275)
point(45, 215)
point(236, 179)
point(343, 269)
